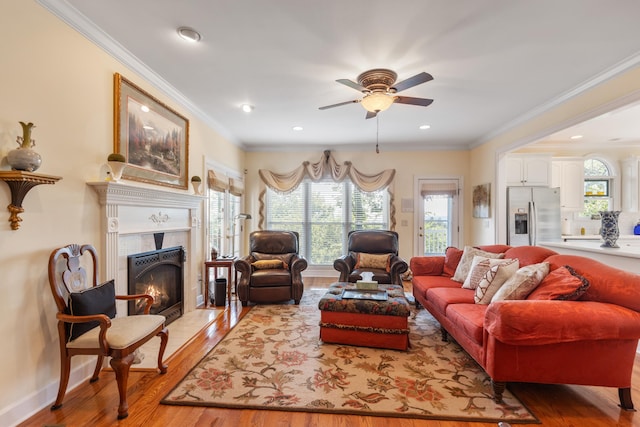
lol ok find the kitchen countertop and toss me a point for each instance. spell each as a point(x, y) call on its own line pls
point(625, 257)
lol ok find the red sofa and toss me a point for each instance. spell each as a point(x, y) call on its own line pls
point(590, 341)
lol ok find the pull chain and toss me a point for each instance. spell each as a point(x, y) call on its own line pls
point(377, 133)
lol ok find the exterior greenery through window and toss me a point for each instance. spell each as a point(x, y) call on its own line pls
point(223, 206)
point(597, 188)
point(323, 213)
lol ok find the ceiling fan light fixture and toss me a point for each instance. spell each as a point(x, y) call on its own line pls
point(377, 101)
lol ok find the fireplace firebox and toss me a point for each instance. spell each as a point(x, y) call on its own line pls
point(160, 274)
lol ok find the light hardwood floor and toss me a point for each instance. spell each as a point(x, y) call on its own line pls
point(96, 404)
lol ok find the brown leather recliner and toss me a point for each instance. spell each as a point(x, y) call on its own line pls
point(376, 243)
point(272, 272)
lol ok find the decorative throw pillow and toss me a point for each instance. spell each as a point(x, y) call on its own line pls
point(379, 261)
point(522, 283)
point(494, 279)
point(464, 266)
point(563, 283)
point(479, 267)
point(452, 257)
point(268, 264)
point(99, 299)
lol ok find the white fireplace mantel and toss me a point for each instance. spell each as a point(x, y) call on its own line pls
point(131, 215)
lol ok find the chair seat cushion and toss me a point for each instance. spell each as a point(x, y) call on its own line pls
point(271, 277)
point(124, 331)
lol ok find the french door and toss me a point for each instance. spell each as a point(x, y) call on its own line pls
point(438, 215)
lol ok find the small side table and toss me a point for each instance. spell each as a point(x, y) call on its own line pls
point(215, 264)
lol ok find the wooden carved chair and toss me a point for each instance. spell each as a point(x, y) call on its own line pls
point(87, 323)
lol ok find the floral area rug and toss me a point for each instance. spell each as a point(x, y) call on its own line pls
point(274, 360)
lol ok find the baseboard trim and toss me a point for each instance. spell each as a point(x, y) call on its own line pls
point(20, 411)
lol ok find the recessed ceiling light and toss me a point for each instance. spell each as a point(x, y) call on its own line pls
point(297, 128)
point(247, 108)
point(144, 108)
point(189, 34)
point(576, 137)
point(423, 127)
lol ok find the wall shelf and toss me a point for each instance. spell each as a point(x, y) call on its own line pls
point(20, 183)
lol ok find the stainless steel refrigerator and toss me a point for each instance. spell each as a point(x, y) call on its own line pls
point(534, 215)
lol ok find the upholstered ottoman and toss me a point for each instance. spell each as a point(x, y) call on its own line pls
point(365, 322)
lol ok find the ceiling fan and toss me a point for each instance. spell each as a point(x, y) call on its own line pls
point(379, 88)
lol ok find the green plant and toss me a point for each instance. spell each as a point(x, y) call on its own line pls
point(196, 178)
point(116, 157)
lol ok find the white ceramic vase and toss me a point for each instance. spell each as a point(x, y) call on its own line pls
point(116, 170)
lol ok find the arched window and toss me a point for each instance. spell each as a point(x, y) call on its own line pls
point(598, 187)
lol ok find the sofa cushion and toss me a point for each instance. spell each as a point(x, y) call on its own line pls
point(522, 283)
point(462, 271)
point(442, 297)
point(493, 280)
point(469, 318)
point(607, 284)
point(561, 284)
point(452, 257)
point(529, 254)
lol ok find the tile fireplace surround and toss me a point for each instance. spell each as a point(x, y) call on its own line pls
point(130, 216)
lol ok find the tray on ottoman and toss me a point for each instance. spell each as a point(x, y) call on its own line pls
point(364, 321)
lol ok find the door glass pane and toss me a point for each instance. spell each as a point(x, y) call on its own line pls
point(437, 221)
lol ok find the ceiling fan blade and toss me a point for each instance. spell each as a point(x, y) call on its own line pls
point(371, 114)
point(355, 101)
point(412, 81)
point(353, 85)
point(424, 102)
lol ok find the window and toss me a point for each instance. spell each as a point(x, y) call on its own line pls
point(224, 204)
point(597, 187)
point(438, 215)
point(323, 213)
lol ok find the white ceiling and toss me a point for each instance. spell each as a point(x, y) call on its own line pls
point(494, 62)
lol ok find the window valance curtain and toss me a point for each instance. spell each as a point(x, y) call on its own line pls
point(439, 189)
point(217, 180)
point(236, 187)
point(327, 166)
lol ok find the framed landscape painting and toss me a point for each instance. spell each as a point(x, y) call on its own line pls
point(481, 200)
point(153, 138)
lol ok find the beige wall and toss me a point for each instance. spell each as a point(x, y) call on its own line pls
point(55, 78)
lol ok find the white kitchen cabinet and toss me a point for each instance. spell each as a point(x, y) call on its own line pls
point(528, 170)
point(630, 184)
point(569, 176)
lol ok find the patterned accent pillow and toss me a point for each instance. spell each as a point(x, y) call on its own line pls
point(268, 264)
point(494, 279)
point(379, 261)
point(563, 283)
point(521, 284)
point(479, 268)
point(464, 266)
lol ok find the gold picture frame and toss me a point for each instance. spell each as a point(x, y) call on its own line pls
point(153, 138)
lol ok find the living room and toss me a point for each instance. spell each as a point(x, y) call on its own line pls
point(55, 77)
